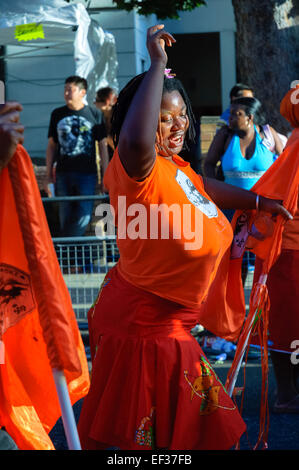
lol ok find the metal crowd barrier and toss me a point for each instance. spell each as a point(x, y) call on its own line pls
point(84, 261)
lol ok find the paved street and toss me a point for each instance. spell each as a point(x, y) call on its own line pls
point(284, 429)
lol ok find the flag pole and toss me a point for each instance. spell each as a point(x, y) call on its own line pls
point(232, 380)
point(67, 412)
point(98, 161)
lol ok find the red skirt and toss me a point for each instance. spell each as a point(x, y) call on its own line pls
point(151, 384)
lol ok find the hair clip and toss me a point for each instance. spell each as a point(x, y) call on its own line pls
point(168, 74)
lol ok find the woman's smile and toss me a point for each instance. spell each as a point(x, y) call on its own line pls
point(174, 122)
point(176, 139)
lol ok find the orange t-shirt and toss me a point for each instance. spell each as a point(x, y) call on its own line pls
point(171, 236)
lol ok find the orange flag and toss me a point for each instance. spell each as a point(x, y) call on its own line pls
point(279, 182)
point(38, 328)
point(223, 311)
point(225, 298)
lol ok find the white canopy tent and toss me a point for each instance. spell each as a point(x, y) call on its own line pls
point(61, 25)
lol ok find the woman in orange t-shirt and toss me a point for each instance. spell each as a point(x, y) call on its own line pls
point(152, 386)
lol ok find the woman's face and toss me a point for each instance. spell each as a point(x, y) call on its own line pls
point(238, 119)
point(174, 122)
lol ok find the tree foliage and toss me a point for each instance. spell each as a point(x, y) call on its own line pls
point(160, 8)
point(267, 43)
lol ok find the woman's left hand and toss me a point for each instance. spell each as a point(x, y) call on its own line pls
point(274, 207)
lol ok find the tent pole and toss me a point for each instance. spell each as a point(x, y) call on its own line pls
point(67, 413)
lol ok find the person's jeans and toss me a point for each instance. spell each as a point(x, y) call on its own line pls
point(74, 216)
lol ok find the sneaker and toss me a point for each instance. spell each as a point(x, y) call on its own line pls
point(220, 346)
point(197, 330)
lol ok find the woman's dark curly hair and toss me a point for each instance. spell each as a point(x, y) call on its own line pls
point(125, 98)
point(251, 106)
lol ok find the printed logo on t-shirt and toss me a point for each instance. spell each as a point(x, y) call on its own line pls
point(194, 196)
point(74, 136)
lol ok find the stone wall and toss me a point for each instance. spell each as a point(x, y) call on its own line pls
point(208, 128)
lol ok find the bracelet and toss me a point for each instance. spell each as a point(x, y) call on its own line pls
point(257, 200)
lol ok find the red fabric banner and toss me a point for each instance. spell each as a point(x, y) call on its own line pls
point(38, 328)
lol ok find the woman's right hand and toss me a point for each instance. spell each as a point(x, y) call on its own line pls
point(11, 131)
point(157, 37)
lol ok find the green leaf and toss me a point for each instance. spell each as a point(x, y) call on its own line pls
point(162, 10)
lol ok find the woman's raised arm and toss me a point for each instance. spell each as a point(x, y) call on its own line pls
point(136, 145)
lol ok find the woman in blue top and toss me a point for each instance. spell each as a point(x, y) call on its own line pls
point(246, 158)
point(241, 148)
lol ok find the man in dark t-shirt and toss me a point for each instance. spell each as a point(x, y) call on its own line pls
point(73, 132)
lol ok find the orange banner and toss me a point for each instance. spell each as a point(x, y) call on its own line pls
point(223, 311)
point(38, 328)
point(279, 182)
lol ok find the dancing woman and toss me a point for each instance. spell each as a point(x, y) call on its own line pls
point(151, 385)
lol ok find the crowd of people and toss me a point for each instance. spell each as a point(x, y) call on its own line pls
point(152, 386)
